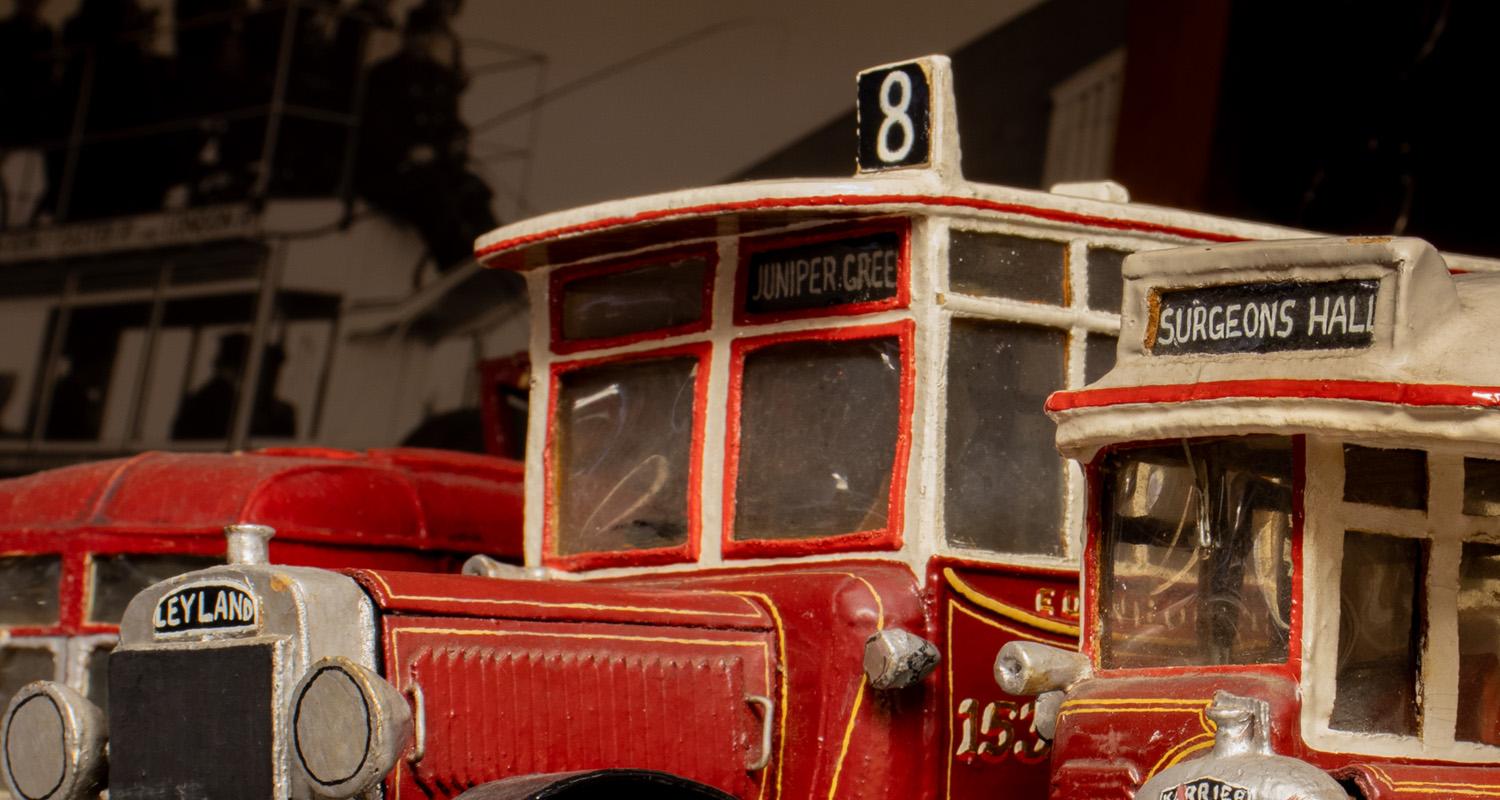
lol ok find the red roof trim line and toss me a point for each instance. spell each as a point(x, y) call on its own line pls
point(852, 201)
point(1406, 394)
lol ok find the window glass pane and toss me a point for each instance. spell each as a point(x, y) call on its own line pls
point(99, 676)
point(1004, 485)
point(119, 577)
point(28, 589)
point(1479, 644)
point(1106, 285)
point(1197, 554)
point(1396, 478)
point(1098, 356)
point(642, 299)
point(1379, 635)
point(1482, 487)
point(22, 665)
point(1006, 266)
point(818, 428)
point(621, 455)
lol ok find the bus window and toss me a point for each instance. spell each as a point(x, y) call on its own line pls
point(115, 579)
point(604, 303)
point(1098, 356)
point(1382, 477)
point(1380, 629)
point(1000, 265)
point(622, 454)
point(1106, 286)
point(1479, 644)
point(20, 665)
point(818, 427)
point(1197, 561)
point(28, 589)
point(1481, 487)
point(98, 676)
point(1004, 480)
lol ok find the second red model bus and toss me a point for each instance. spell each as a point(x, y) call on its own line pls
point(1291, 571)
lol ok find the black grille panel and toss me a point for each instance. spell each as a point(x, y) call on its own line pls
point(191, 724)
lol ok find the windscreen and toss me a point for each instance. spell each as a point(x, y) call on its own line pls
point(621, 455)
point(1197, 553)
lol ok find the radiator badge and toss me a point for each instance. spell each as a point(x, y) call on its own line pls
point(216, 607)
point(1205, 789)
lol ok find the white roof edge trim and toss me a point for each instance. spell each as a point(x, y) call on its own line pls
point(566, 223)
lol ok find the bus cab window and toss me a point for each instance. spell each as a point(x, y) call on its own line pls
point(1000, 265)
point(621, 455)
point(28, 589)
point(616, 302)
point(20, 665)
point(819, 422)
point(1004, 481)
point(1385, 477)
point(1375, 684)
point(1197, 561)
point(1479, 644)
point(115, 579)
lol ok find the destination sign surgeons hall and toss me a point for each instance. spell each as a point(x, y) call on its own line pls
point(1262, 317)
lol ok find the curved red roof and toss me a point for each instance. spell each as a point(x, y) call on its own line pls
point(405, 498)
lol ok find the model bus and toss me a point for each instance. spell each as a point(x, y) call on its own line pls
point(790, 488)
point(77, 543)
point(1290, 571)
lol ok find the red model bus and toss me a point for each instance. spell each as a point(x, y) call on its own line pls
point(789, 489)
point(1291, 569)
point(77, 543)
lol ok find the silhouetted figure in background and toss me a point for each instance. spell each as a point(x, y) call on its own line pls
point(77, 410)
point(208, 412)
point(27, 82)
point(414, 147)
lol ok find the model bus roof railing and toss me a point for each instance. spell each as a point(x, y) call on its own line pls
point(1373, 337)
point(408, 498)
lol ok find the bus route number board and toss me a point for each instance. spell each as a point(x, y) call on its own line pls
point(894, 117)
point(1262, 317)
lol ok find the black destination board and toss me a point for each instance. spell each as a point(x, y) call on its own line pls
point(205, 607)
point(895, 117)
point(859, 269)
point(1263, 317)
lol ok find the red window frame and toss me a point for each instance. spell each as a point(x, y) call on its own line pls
point(559, 280)
point(888, 538)
point(1093, 569)
point(685, 552)
point(751, 245)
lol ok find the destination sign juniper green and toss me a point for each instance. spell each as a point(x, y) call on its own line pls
point(859, 269)
point(1263, 317)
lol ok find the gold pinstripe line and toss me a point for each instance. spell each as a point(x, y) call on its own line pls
point(781, 644)
point(859, 695)
point(991, 604)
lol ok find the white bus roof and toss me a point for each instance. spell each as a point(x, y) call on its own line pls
point(617, 226)
point(1375, 338)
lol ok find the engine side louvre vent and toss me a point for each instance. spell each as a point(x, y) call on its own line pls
point(502, 703)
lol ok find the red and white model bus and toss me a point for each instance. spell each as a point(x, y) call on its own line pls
point(790, 489)
point(1290, 575)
